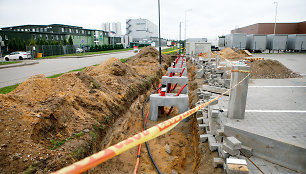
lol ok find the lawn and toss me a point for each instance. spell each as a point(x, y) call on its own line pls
point(9, 62)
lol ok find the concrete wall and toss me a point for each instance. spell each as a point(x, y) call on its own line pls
point(141, 29)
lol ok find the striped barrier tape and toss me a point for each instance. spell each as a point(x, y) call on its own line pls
point(171, 51)
point(149, 134)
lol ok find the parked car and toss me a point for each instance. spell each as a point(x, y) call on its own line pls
point(17, 55)
point(79, 50)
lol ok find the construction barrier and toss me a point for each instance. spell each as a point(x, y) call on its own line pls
point(172, 51)
point(137, 139)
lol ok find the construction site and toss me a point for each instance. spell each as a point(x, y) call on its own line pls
point(214, 112)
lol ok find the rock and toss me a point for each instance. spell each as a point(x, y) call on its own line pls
point(25, 160)
point(86, 130)
point(174, 171)
point(3, 145)
point(17, 156)
point(168, 149)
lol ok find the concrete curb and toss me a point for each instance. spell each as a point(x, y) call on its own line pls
point(18, 64)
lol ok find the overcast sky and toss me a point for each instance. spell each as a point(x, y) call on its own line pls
point(206, 18)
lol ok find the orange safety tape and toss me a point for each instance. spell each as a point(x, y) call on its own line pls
point(146, 135)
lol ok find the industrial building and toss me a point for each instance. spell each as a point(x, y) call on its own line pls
point(141, 30)
point(268, 28)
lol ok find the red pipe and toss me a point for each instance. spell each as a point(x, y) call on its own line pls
point(182, 72)
point(159, 88)
point(176, 95)
point(182, 63)
point(139, 147)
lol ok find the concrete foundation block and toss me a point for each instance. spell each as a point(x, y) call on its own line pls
point(212, 139)
point(231, 151)
point(204, 137)
point(218, 162)
point(227, 83)
point(214, 113)
point(200, 120)
point(220, 132)
point(203, 126)
point(219, 138)
point(200, 73)
point(222, 153)
point(214, 146)
point(177, 71)
point(247, 151)
point(181, 101)
point(232, 142)
point(176, 80)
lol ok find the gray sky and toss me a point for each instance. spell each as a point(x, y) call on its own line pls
point(206, 19)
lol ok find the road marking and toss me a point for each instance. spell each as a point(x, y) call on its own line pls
point(276, 111)
point(277, 86)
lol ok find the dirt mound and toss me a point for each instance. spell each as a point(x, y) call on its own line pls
point(229, 53)
point(270, 69)
point(49, 123)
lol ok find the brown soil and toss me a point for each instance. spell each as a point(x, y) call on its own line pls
point(229, 53)
point(271, 69)
point(226, 53)
point(47, 124)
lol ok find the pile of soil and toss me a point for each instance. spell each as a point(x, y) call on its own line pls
point(47, 124)
point(271, 69)
point(229, 53)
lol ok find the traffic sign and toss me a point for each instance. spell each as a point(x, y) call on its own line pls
point(82, 41)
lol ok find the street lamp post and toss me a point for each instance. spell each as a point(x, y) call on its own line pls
point(276, 3)
point(186, 21)
point(159, 40)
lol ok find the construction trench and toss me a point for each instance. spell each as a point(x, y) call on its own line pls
point(48, 124)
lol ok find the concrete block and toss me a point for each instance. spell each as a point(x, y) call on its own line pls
point(238, 95)
point(231, 151)
point(232, 142)
point(204, 137)
point(236, 166)
point(181, 101)
point(218, 162)
point(203, 126)
point(206, 95)
point(177, 71)
point(227, 83)
point(214, 113)
point(247, 151)
point(200, 120)
point(212, 139)
point(222, 153)
point(214, 146)
point(176, 80)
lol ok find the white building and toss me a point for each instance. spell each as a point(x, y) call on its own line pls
point(141, 30)
point(116, 27)
point(106, 26)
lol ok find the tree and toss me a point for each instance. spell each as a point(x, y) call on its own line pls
point(65, 41)
point(32, 42)
point(70, 41)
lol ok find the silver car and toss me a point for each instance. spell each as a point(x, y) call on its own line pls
point(17, 55)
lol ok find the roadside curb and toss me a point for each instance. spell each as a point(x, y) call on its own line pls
point(18, 64)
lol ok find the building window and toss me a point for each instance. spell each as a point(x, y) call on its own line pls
point(46, 30)
point(82, 31)
point(63, 30)
point(41, 30)
point(5, 36)
point(88, 32)
point(37, 29)
point(56, 37)
point(62, 38)
point(18, 29)
point(52, 37)
point(40, 35)
point(46, 37)
point(76, 30)
point(33, 29)
point(22, 30)
point(69, 30)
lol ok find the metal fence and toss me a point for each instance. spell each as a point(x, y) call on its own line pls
point(51, 50)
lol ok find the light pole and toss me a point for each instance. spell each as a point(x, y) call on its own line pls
point(186, 21)
point(159, 40)
point(276, 3)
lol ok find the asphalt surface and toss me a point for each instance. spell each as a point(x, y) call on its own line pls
point(48, 67)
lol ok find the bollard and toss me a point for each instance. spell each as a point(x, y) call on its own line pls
point(238, 96)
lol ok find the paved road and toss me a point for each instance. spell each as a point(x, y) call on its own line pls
point(48, 67)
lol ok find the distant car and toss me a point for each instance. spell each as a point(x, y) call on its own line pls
point(17, 55)
point(79, 50)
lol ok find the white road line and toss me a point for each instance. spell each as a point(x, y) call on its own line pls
point(277, 86)
point(277, 111)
